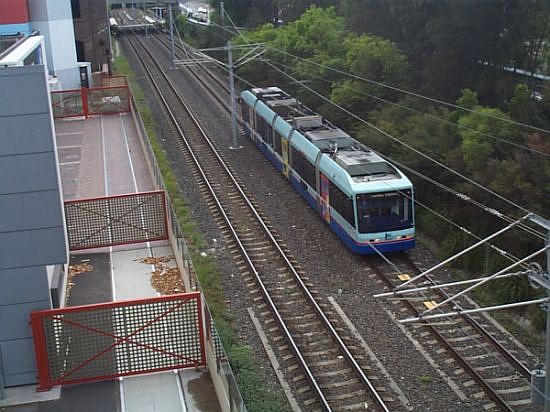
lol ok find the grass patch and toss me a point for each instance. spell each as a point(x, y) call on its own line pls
point(255, 393)
point(425, 379)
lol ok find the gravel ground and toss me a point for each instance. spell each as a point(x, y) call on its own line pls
point(319, 252)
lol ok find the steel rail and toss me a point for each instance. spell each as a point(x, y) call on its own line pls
point(244, 253)
point(514, 362)
point(501, 403)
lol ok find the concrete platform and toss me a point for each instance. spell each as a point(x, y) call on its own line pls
point(22, 395)
point(102, 156)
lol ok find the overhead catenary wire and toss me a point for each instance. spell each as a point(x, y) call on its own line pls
point(381, 84)
point(471, 181)
point(395, 139)
point(431, 116)
point(460, 195)
point(464, 197)
point(535, 388)
point(407, 92)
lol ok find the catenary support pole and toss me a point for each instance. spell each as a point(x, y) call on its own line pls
point(234, 144)
point(144, 15)
point(171, 22)
point(110, 53)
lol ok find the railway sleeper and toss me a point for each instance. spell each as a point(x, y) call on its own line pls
point(327, 352)
point(347, 395)
point(303, 317)
point(465, 338)
point(359, 406)
point(318, 343)
point(515, 390)
point(332, 373)
point(481, 346)
point(325, 363)
point(341, 384)
point(310, 401)
point(520, 402)
point(508, 378)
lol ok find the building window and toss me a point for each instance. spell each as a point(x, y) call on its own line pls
point(75, 8)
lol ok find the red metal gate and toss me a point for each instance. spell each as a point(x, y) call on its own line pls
point(108, 100)
point(86, 102)
point(108, 340)
point(68, 103)
point(116, 220)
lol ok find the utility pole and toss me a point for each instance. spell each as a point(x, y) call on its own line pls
point(234, 144)
point(171, 22)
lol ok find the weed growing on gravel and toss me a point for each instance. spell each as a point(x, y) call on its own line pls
point(425, 379)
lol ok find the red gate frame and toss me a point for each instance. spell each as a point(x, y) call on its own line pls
point(152, 192)
point(85, 94)
point(72, 113)
point(45, 381)
point(123, 108)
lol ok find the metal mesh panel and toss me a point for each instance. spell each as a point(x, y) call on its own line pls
point(109, 100)
point(116, 220)
point(110, 81)
point(119, 339)
point(67, 103)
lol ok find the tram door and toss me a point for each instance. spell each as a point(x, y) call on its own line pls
point(324, 198)
point(284, 148)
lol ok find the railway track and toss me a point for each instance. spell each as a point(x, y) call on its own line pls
point(480, 354)
point(487, 370)
point(317, 357)
point(217, 87)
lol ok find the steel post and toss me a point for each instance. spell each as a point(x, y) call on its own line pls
point(145, 14)
point(110, 55)
point(171, 22)
point(235, 143)
point(541, 277)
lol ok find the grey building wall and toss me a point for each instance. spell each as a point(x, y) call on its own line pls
point(53, 19)
point(32, 233)
point(91, 27)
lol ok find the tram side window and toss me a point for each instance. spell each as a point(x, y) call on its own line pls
point(303, 167)
point(277, 142)
point(342, 203)
point(264, 130)
point(245, 112)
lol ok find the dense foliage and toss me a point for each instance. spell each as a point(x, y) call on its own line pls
point(450, 44)
point(466, 52)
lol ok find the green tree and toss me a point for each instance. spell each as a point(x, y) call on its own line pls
point(478, 148)
point(522, 107)
point(247, 13)
point(372, 58)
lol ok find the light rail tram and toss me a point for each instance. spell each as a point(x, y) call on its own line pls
point(366, 200)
